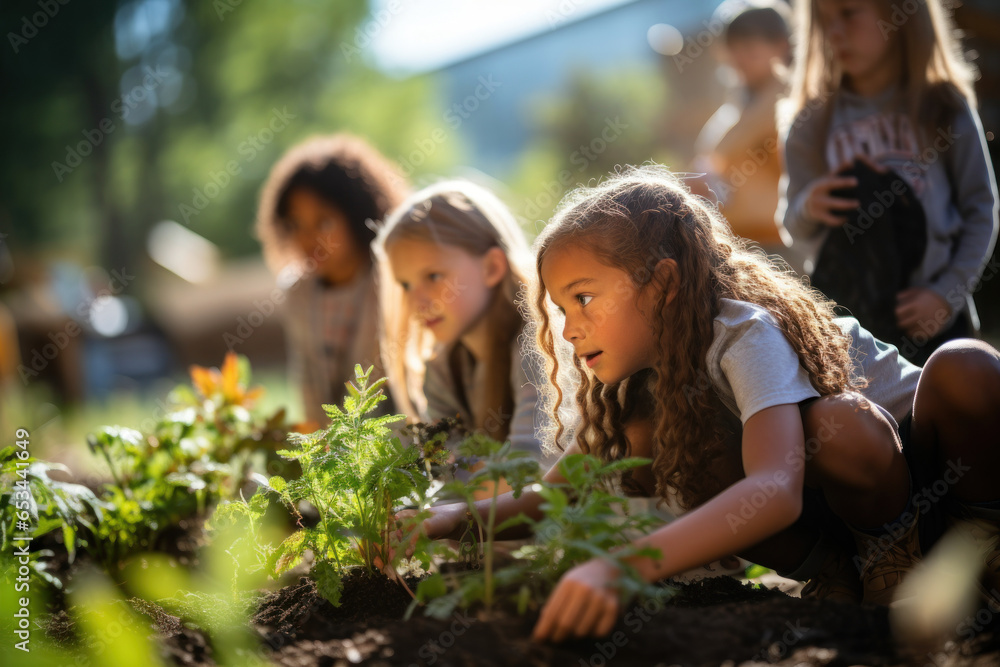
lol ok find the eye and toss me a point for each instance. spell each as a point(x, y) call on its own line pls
point(583, 299)
point(434, 277)
point(405, 286)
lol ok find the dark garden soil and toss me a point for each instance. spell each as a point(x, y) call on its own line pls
point(716, 621)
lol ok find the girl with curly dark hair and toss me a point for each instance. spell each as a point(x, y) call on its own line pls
point(790, 437)
point(316, 222)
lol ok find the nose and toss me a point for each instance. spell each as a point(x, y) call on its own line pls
point(305, 240)
point(835, 30)
point(571, 331)
point(420, 299)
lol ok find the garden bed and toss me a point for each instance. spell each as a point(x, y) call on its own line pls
point(718, 621)
point(196, 590)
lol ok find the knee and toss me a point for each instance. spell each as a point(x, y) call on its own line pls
point(844, 416)
point(848, 431)
point(964, 377)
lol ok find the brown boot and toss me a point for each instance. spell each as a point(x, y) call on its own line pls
point(885, 560)
point(836, 580)
point(983, 528)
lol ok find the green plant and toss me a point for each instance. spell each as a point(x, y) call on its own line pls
point(221, 595)
point(201, 450)
point(495, 462)
point(581, 520)
point(354, 472)
point(32, 500)
point(250, 548)
point(197, 453)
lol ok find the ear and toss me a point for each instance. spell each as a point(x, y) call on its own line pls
point(666, 278)
point(495, 266)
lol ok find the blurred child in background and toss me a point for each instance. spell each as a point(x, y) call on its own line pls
point(890, 194)
point(738, 147)
point(316, 224)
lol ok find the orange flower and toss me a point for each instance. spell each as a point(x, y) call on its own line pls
point(212, 383)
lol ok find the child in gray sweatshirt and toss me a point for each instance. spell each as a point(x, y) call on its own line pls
point(889, 192)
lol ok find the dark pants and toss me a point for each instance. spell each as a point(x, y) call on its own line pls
point(917, 349)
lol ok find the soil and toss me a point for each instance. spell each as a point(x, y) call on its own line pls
point(718, 621)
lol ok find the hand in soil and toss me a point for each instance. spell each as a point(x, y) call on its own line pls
point(585, 602)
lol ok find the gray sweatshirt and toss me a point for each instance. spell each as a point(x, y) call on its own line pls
point(951, 176)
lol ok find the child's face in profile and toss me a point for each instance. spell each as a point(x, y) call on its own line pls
point(755, 58)
point(605, 322)
point(322, 233)
point(447, 289)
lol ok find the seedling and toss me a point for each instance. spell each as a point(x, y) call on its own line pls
point(354, 472)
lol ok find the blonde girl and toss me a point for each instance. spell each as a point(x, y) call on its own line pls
point(882, 131)
point(453, 261)
point(786, 433)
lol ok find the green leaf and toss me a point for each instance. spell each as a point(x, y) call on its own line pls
point(69, 539)
point(443, 607)
point(328, 581)
point(243, 368)
point(431, 587)
point(753, 571)
point(511, 522)
point(288, 554)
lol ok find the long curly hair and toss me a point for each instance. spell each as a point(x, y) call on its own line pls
point(631, 222)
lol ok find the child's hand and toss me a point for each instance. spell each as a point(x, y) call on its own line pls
point(921, 310)
point(444, 520)
point(585, 602)
point(396, 539)
point(826, 208)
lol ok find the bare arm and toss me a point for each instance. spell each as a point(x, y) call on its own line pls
point(586, 601)
point(449, 521)
point(773, 450)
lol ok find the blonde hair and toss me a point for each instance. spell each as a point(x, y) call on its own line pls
point(467, 216)
point(631, 222)
point(936, 76)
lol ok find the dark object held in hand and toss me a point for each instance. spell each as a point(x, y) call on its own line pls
point(866, 262)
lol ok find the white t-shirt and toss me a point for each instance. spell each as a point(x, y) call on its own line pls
point(752, 365)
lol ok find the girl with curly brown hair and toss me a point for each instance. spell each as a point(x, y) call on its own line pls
point(793, 438)
point(316, 224)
